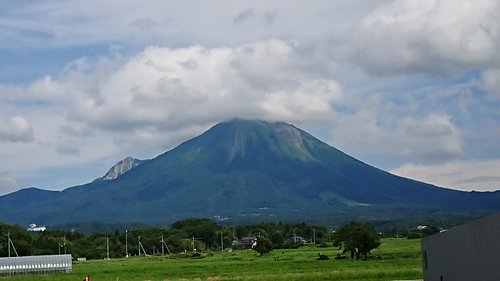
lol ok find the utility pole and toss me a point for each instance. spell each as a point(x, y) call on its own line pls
point(221, 242)
point(126, 243)
point(8, 241)
point(314, 236)
point(139, 244)
point(107, 247)
point(162, 246)
point(62, 245)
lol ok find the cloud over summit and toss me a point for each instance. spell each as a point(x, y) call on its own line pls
point(163, 89)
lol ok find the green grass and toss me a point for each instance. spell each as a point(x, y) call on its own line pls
point(401, 260)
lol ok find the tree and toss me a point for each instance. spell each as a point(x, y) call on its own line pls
point(358, 239)
point(203, 229)
point(263, 246)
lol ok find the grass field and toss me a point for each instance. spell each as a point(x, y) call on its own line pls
point(401, 260)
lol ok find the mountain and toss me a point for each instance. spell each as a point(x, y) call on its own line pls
point(239, 169)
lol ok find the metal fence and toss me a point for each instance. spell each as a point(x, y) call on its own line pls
point(35, 265)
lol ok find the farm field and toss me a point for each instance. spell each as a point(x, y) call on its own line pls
point(398, 259)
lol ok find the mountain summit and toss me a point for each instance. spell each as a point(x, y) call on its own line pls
point(239, 168)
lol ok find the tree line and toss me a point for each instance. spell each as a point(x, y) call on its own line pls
point(189, 235)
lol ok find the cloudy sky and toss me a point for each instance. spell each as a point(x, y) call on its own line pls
point(412, 87)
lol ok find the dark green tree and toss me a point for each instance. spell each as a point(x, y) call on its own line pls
point(203, 229)
point(358, 239)
point(263, 246)
point(277, 239)
point(18, 236)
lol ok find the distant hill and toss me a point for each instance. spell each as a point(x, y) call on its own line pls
point(238, 169)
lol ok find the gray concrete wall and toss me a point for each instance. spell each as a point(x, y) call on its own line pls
point(470, 252)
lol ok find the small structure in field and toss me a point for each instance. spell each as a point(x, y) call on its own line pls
point(464, 253)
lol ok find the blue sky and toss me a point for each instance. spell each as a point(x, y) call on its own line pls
point(412, 87)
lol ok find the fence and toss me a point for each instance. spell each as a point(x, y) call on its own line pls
point(35, 265)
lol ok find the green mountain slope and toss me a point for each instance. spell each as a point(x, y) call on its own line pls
point(241, 168)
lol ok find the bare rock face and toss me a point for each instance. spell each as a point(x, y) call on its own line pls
point(121, 168)
point(290, 135)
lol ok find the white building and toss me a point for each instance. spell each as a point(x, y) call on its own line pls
point(34, 228)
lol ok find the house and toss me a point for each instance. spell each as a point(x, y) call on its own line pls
point(464, 253)
point(248, 242)
point(298, 240)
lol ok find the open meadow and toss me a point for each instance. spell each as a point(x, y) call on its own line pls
point(398, 259)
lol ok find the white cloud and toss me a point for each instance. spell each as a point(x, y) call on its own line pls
point(175, 22)
point(432, 137)
point(399, 131)
point(7, 184)
point(16, 129)
point(429, 36)
point(311, 100)
point(68, 150)
point(161, 90)
point(463, 175)
point(245, 15)
point(162, 96)
point(491, 82)
point(76, 129)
